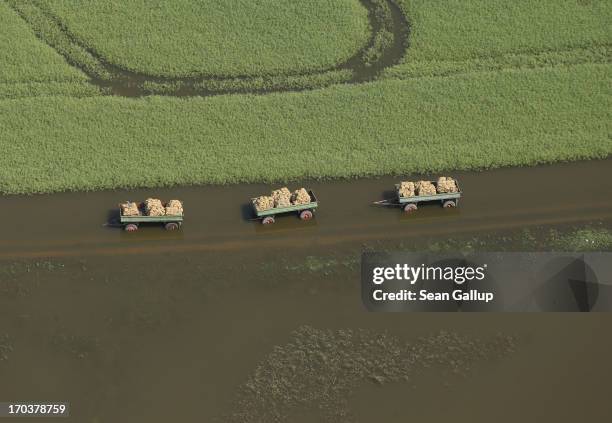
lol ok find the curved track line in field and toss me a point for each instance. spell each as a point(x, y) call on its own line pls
point(128, 83)
point(123, 82)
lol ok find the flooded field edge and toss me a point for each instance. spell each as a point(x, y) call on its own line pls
point(603, 164)
point(210, 318)
point(229, 321)
point(219, 218)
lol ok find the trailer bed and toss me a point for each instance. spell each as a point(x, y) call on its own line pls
point(131, 223)
point(150, 219)
point(295, 208)
point(434, 197)
point(410, 204)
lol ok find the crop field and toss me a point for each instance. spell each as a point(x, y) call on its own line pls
point(29, 66)
point(484, 120)
point(379, 87)
point(209, 37)
point(450, 36)
point(459, 29)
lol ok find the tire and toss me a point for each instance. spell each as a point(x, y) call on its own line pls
point(449, 204)
point(410, 208)
point(171, 226)
point(268, 220)
point(306, 214)
point(130, 227)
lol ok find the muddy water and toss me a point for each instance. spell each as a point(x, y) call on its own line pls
point(217, 218)
point(177, 337)
point(158, 327)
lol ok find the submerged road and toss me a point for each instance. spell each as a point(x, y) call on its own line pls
point(74, 224)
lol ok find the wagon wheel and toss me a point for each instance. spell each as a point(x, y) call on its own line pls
point(171, 226)
point(268, 220)
point(409, 208)
point(448, 204)
point(306, 215)
point(131, 227)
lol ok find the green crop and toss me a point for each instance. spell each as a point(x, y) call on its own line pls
point(484, 83)
point(54, 35)
point(46, 89)
point(521, 117)
point(454, 36)
point(474, 29)
point(25, 59)
point(217, 38)
point(574, 56)
point(260, 83)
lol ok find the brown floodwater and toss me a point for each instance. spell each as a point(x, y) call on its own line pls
point(217, 218)
point(208, 324)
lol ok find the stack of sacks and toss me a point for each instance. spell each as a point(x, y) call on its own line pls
point(446, 184)
point(129, 208)
point(425, 188)
point(282, 197)
point(174, 208)
point(154, 207)
point(406, 189)
point(300, 196)
point(263, 203)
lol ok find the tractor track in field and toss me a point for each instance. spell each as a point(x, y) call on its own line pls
point(116, 80)
point(217, 218)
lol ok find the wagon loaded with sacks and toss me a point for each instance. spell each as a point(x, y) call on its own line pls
point(152, 210)
point(282, 201)
point(409, 194)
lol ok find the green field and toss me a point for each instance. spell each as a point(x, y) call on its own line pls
point(430, 124)
point(28, 66)
point(451, 36)
point(24, 59)
point(218, 38)
point(460, 29)
point(482, 84)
